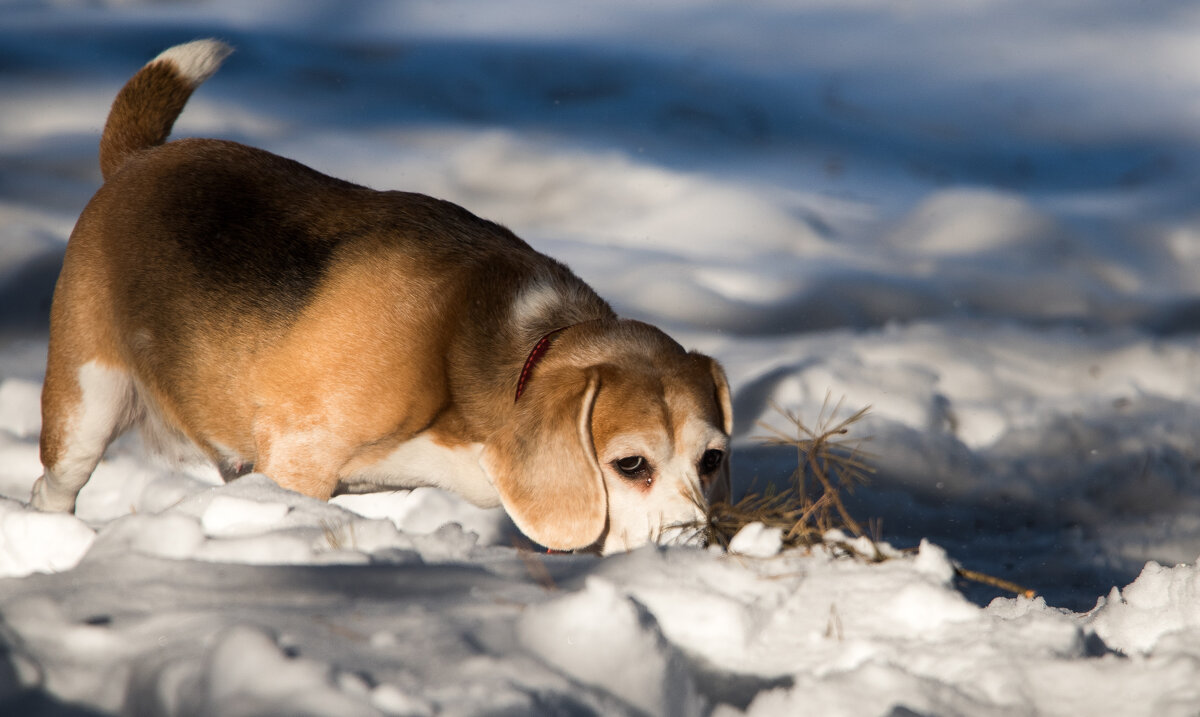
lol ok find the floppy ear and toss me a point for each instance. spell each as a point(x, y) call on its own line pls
point(722, 487)
point(544, 465)
point(723, 398)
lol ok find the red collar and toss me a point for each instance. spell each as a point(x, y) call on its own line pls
point(539, 350)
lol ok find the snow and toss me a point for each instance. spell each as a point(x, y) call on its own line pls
point(977, 218)
point(36, 542)
point(757, 541)
point(604, 638)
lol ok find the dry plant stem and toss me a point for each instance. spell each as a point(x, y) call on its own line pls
point(825, 454)
point(803, 519)
point(820, 504)
point(835, 463)
point(1001, 583)
point(834, 496)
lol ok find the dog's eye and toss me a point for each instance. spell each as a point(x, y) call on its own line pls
point(711, 460)
point(632, 466)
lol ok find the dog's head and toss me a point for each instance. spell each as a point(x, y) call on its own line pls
point(620, 436)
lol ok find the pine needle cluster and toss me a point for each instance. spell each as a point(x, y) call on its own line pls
point(828, 463)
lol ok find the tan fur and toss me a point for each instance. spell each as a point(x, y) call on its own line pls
point(338, 338)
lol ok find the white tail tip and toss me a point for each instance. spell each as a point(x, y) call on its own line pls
point(196, 61)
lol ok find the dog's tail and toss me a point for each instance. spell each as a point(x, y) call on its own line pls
point(146, 107)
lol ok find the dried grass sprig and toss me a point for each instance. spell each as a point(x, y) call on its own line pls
point(827, 462)
point(807, 510)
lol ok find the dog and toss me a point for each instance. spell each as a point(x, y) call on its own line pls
point(341, 339)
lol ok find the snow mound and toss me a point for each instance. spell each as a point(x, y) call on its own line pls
point(32, 541)
point(1158, 612)
point(756, 540)
point(603, 638)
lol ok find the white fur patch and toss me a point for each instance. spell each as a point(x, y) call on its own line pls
point(196, 61)
point(106, 406)
point(536, 300)
point(422, 461)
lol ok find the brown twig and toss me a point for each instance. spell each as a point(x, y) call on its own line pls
point(1000, 583)
point(835, 462)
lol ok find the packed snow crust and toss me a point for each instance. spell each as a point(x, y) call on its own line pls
point(979, 219)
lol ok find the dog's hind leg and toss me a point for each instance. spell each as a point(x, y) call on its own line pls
point(84, 407)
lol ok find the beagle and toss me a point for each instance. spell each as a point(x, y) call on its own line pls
point(339, 339)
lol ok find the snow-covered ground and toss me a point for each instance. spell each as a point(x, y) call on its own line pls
point(978, 218)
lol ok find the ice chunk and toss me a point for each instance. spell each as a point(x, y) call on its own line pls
point(757, 541)
point(32, 541)
point(1162, 601)
point(933, 561)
